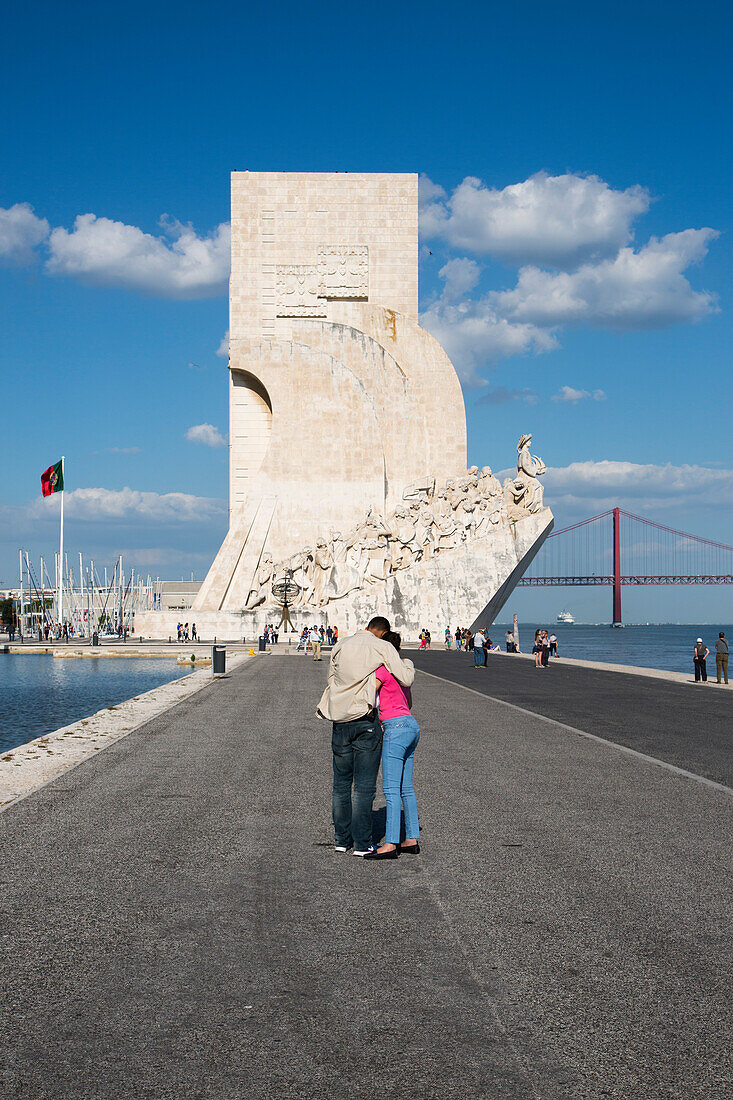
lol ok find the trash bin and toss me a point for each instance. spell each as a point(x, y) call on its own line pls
point(95, 638)
point(218, 660)
point(261, 643)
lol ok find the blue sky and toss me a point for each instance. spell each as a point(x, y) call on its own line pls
point(599, 317)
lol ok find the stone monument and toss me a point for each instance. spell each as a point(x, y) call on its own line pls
point(347, 429)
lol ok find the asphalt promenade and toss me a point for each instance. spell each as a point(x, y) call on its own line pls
point(175, 923)
point(688, 725)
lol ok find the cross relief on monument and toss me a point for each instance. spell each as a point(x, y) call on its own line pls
point(342, 272)
point(297, 291)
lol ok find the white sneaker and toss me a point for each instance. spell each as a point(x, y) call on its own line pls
point(371, 848)
point(341, 847)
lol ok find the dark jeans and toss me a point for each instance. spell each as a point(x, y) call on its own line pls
point(479, 657)
point(357, 751)
point(701, 668)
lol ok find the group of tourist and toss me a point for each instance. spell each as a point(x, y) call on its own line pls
point(700, 658)
point(369, 703)
point(478, 644)
point(270, 634)
point(461, 637)
point(184, 635)
point(544, 647)
point(425, 639)
point(313, 637)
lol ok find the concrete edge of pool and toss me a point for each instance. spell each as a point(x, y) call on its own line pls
point(31, 766)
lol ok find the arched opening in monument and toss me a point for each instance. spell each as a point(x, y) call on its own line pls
point(250, 425)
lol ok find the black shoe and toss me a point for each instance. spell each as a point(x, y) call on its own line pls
point(392, 854)
point(410, 849)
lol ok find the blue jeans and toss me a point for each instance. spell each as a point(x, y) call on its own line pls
point(357, 748)
point(479, 657)
point(401, 736)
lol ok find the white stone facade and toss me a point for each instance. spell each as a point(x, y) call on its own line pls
point(339, 401)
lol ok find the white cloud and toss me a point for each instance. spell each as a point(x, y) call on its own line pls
point(473, 335)
point(471, 331)
point(206, 434)
point(131, 505)
point(20, 233)
point(634, 290)
point(176, 264)
point(428, 191)
point(597, 486)
point(501, 395)
point(223, 349)
point(559, 221)
point(460, 277)
point(568, 393)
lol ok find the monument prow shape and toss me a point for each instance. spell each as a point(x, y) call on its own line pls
point(347, 426)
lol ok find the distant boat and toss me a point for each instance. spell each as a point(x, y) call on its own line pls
point(565, 617)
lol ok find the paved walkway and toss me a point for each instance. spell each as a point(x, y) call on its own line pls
point(175, 922)
point(689, 725)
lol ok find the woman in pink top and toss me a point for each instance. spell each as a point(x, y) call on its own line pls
point(401, 735)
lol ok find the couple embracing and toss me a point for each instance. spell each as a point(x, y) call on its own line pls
point(368, 700)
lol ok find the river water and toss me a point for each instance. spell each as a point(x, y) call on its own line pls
point(666, 645)
point(39, 693)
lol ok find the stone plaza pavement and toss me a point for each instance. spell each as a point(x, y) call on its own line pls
point(175, 922)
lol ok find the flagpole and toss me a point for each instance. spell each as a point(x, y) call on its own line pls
point(61, 556)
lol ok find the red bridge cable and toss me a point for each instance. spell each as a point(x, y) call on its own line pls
point(659, 526)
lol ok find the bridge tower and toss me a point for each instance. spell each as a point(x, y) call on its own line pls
point(616, 618)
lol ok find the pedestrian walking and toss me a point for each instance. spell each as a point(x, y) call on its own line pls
point(721, 657)
point(700, 657)
point(553, 645)
point(448, 638)
point(315, 640)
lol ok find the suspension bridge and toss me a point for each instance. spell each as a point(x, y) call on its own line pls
point(618, 548)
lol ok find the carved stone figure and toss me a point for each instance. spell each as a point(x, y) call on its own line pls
point(374, 534)
point(299, 565)
point(489, 485)
point(322, 562)
point(260, 589)
point(515, 494)
point(420, 490)
point(527, 464)
point(343, 577)
point(403, 543)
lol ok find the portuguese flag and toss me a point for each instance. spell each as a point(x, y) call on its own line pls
point(52, 479)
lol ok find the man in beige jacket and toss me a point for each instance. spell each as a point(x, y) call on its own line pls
point(349, 703)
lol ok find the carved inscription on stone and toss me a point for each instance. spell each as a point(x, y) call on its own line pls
point(343, 271)
point(297, 294)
